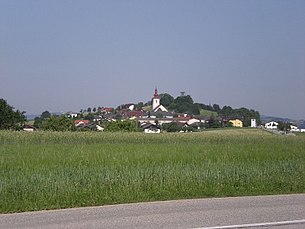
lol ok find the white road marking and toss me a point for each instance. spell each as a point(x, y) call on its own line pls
point(282, 223)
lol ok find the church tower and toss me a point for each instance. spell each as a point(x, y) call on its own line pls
point(156, 99)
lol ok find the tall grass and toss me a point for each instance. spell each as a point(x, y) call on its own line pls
point(48, 170)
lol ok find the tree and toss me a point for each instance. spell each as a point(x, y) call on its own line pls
point(227, 111)
point(58, 123)
point(284, 126)
point(171, 127)
point(38, 120)
point(124, 126)
point(166, 99)
point(214, 122)
point(90, 117)
point(94, 110)
point(10, 119)
point(89, 109)
point(139, 106)
point(184, 104)
point(216, 108)
point(196, 108)
point(45, 114)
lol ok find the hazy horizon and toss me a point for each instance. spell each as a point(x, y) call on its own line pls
point(71, 55)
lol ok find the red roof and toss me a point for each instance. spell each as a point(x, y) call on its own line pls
point(81, 121)
point(135, 113)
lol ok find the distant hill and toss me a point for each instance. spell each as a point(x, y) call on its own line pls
point(266, 118)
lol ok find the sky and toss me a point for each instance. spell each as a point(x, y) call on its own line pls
point(68, 55)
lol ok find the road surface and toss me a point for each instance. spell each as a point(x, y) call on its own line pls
point(281, 211)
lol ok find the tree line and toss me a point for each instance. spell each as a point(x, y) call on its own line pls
point(185, 104)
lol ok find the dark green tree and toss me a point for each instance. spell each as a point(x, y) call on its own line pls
point(45, 114)
point(184, 104)
point(166, 99)
point(10, 119)
point(284, 126)
point(216, 108)
point(139, 106)
point(214, 123)
point(38, 120)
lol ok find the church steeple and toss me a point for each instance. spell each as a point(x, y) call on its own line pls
point(156, 93)
point(156, 99)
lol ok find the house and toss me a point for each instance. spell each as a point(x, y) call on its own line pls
point(28, 128)
point(106, 110)
point(294, 128)
point(134, 113)
point(183, 119)
point(81, 122)
point(236, 123)
point(271, 125)
point(192, 121)
point(71, 114)
point(150, 128)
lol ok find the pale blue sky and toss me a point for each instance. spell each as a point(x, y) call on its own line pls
point(61, 55)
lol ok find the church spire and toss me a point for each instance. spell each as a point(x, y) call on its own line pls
point(156, 93)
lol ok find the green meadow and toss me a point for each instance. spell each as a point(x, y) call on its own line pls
point(51, 170)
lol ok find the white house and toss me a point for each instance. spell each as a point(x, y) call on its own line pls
point(29, 128)
point(71, 115)
point(294, 128)
point(150, 128)
point(271, 125)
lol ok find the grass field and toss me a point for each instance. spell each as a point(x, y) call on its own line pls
point(48, 170)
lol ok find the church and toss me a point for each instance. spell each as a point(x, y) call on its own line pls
point(156, 105)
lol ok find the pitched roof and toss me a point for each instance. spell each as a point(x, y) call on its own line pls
point(81, 121)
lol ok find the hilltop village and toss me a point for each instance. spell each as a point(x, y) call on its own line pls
point(162, 113)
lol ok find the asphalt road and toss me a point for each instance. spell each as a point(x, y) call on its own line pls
point(281, 211)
